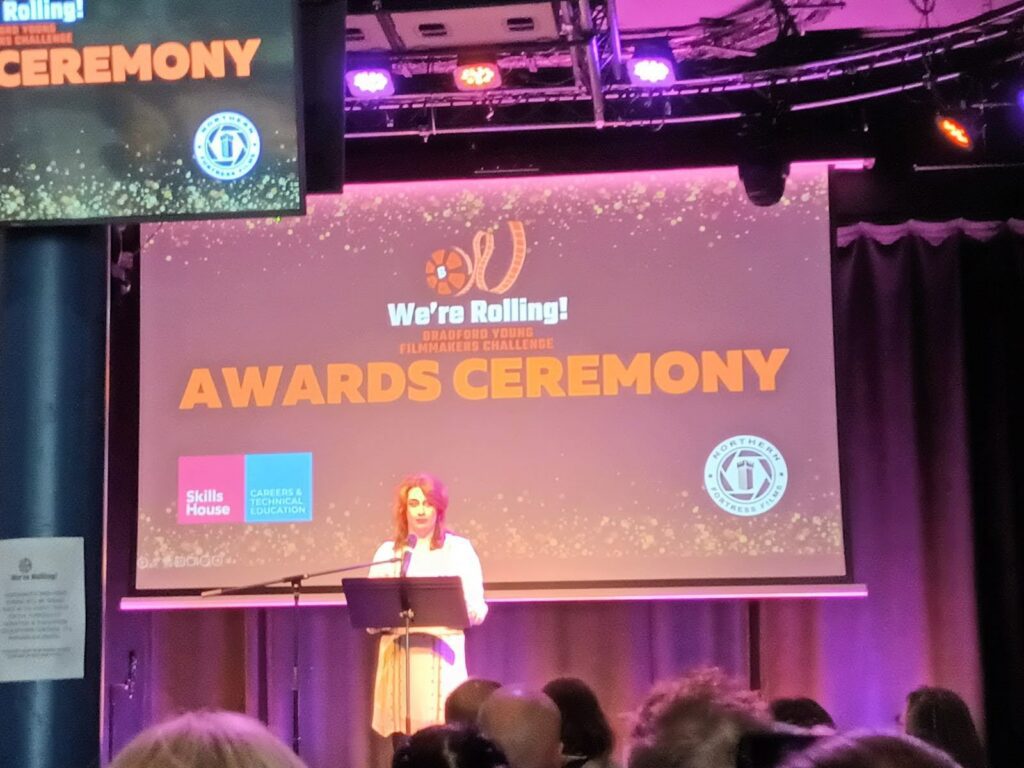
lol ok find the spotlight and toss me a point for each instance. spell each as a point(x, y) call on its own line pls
point(651, 66)
point(763, 160)
point(955, 132)
point(764, 180)
point(477, 74)
point(369, 77)
point(370, 83)
point(1020, 98)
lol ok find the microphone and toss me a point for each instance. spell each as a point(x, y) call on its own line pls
point(410, 545)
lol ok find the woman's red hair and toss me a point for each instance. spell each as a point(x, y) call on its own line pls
point(436, 495)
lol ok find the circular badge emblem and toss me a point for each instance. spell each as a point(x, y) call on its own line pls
point(226, 146)
point(25, 565)
point(745, 475)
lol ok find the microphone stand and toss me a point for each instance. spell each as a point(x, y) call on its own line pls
point(407, 614)
point(295, 581)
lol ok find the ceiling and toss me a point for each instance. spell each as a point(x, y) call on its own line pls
point(765, 61)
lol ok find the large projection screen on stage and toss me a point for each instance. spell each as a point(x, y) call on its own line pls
point(626, 380)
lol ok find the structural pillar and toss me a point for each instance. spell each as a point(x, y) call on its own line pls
point(53, 323)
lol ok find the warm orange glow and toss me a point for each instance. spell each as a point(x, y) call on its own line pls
point(954, 131)
point(477, 77)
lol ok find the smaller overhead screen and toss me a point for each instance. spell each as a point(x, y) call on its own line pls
point(147, 109)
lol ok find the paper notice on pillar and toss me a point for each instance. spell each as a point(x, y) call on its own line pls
point(42, 609)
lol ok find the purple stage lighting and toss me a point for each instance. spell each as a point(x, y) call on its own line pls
point(650, 72)
point(370, 83)
point(652, 64)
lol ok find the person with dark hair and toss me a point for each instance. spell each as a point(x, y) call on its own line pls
point(587, 739)
point(870, 750)
point(208, 739)
point(941, 718)
point(695, 722)
point(803, 713)
point(437, 654)
point(463, 704)
point(448, 746)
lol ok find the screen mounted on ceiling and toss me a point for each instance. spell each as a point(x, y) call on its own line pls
point(147, 109)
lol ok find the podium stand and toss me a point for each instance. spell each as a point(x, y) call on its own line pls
point(406, 603)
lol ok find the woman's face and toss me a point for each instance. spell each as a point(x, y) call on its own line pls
point(420, 513)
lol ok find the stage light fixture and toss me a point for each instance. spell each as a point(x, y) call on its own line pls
point(477, 75)
point(651, 66)
point(955, 131)
point(764, 181)
point(370, 78)
point(370, 83)
point(763, 161)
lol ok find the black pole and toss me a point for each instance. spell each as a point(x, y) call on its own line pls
point(754, 643)
point(408, 674)
point(296, 589)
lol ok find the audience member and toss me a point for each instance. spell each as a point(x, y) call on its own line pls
point(448, 746)
point(940, 717)
point(526, 725)
point(802, 712)
point(695, 722)
point(207, 740)
point(870, 750)
point(462, 706)
point(587, 739)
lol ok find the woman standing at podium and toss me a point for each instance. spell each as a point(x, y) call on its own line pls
point(438, 653)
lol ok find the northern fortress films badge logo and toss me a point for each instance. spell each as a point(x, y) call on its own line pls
point(746, 475)
point(226, 146)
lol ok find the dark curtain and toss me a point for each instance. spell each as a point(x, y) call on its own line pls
point(993, 279)
point(922, 443)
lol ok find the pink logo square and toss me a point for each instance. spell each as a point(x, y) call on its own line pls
point(211, 489)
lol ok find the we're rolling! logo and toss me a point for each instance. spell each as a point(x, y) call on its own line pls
point(452, 272)
point(28, 11)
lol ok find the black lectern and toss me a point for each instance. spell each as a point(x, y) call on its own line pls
point(406, 603)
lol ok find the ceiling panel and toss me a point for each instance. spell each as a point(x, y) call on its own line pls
point(851, 14)
point(477, 26)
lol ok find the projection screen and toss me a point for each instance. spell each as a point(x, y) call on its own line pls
point(626, 380)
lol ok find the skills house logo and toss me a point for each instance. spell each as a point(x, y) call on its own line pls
point(245, 488)
point(453, 272)
point(745, 475)
point(226, 146)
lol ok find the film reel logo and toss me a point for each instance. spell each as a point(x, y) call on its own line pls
point(453, 272)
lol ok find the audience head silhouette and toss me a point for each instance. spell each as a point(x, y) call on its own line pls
point(940, 717)
point(463, 704)
point(695, 722)
point(207, 740)
point(448, 746)
point(802, 712)
point(585, 729)
point(870, 750)
point(526, 725)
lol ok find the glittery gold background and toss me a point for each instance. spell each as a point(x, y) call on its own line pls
point(605, 488)
point(124, 150)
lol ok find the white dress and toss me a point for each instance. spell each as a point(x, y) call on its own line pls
point(438, 653)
